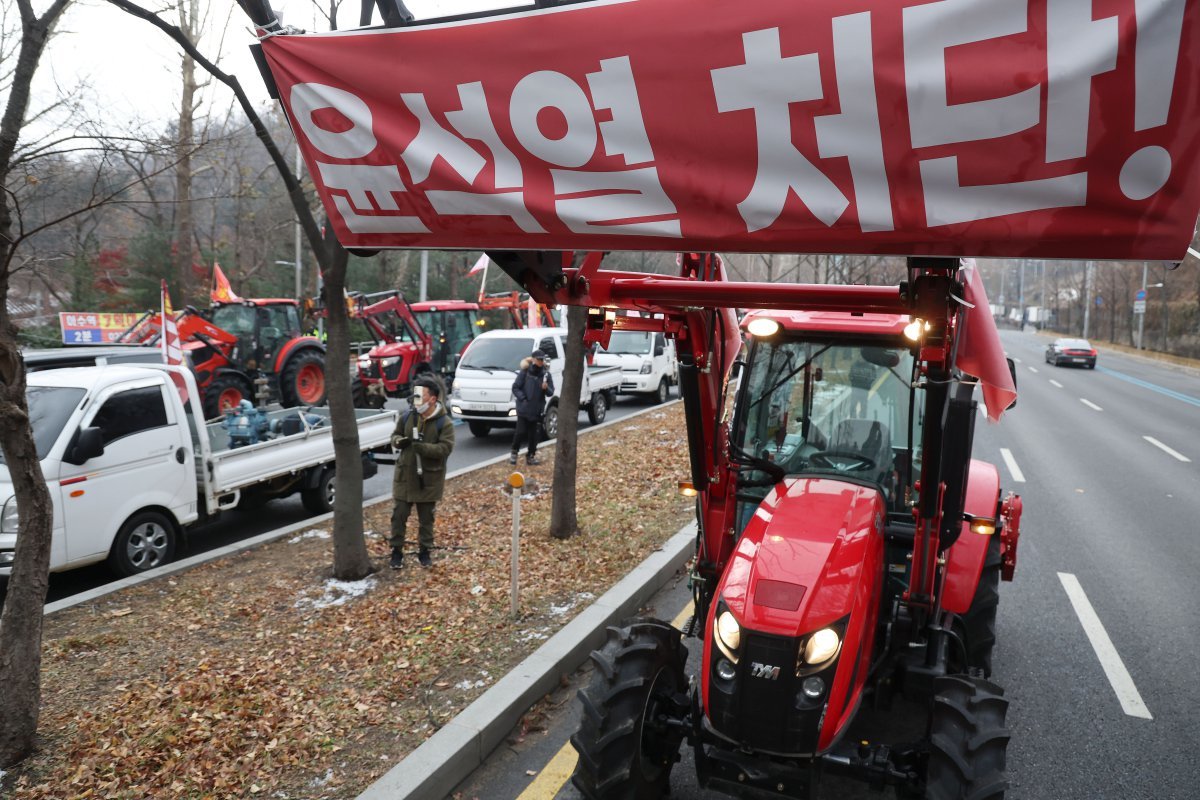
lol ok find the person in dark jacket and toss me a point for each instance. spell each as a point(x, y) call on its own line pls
point(533, 385)
point(423, 439)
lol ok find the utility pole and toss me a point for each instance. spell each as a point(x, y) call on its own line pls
point(1021, 294)
point(1087, 298)
point(424, 275)
point(299, 287)
point(1142, 316)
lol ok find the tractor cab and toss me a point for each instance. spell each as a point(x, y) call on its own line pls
point(451, 325)
point(262, 327)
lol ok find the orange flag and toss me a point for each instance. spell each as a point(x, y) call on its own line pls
point(221, 292)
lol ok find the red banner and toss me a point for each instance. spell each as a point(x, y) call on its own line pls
point(1049, 128)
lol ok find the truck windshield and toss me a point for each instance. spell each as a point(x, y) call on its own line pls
point(49, 409)
point(489, 354)
point(633, 343)
point(832, 408)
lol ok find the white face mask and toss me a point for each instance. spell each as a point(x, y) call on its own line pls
point(422, 402)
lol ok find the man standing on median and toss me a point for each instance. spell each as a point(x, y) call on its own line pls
point(423, 440)
point(533, 385)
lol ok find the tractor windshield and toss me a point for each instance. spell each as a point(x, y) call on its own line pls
point(829, 408)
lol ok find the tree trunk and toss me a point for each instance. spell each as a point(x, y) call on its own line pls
point(563, 520)
point(21, 618)
point(350, 559)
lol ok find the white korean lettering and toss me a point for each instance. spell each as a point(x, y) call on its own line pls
point(474, 122)
point(948, 202)
point(1077, 48)
point(486, 204)
point(545, 89)
point(1159, 27)
point(632, 194)
point(932, 28)
point(368, 187)
point(432, 141)
point(613, 88)
point(768, 84)
point(357, 142)
point(854, 133)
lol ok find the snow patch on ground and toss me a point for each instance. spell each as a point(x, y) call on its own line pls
point(470, 684)
point(558, 611)
point(539, 635)
point(315, 533)
point(336, 593)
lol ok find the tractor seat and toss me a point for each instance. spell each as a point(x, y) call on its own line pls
point(869, 437)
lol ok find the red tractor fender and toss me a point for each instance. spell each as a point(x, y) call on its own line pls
point(964, 559)
point(294, 346)
point(1010, 512)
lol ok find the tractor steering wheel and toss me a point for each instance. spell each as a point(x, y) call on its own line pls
point(852, 461)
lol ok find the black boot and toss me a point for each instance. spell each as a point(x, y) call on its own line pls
point(423, 557)
point(397, 558)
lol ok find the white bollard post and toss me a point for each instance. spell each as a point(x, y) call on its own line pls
point(516, 482)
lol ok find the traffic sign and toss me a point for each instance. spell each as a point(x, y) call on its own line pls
point(1139, 306)
point(1141, 295)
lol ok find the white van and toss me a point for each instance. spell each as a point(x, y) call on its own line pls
point(482, 393)
point(647, 362)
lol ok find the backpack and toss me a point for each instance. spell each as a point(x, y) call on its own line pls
point(438, 424)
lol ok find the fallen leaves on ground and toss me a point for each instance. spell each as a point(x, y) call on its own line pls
point(259, 675)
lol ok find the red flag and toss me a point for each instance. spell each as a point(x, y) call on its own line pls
point(980, 353)
point(480, 265)
point(222, 292)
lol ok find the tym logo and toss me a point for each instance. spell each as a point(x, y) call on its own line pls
point(767, 671)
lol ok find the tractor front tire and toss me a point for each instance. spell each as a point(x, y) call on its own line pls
point(968, 740)
point(358, 393)
point(302, 380)
point(626, 748)
point(978, 625)
point(225, 391)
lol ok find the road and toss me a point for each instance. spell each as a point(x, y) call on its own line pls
point(235, 525)
point(1108, 465)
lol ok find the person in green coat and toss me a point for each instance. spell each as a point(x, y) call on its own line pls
point(423, 440)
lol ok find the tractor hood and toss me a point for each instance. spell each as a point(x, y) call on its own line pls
point(800, 560)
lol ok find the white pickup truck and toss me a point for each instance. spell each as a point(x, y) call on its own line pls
point(483, 381)
point(130, 465)
point(647, 362)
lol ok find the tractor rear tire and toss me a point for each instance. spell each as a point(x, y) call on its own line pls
point(968, 740)
point(626, 749)
point(978, 625)
point(302, 380)
point(225, 391)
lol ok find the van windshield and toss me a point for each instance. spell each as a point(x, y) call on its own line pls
point(49, 409)
point(490, 354)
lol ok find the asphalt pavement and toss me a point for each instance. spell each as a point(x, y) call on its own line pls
point(1097, 635)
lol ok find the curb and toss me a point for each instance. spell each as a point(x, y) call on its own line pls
point(462, 744)
point(185, 564)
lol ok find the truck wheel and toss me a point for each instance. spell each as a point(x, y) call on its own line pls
point(598, 408)
point(319, 499)
point(479, 429)
point(550, 423)
point(226, 391)
point(664, 392)
point(145, 541)
point(302, 381)
point(968, 740)
point(978, 625)
point(625, 742)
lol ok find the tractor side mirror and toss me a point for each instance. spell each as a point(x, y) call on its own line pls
point(735, 369)
point(1012, 370)
point(88, 443)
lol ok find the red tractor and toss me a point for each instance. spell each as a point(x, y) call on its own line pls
point(233, 344)
point(849, 549)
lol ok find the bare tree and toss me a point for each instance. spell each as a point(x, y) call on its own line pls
point(563, 521)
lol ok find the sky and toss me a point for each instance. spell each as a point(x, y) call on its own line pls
point(129, 70)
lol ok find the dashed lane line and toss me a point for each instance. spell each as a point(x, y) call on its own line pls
point(1055, 383)
point(1110, 660)
point(1090, 404)
point(1173, 453)
point(554, 776)
point(1032, 369)
point(1011, 463)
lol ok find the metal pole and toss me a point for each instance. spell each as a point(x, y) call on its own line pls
point(1087, 298)
point(1021, 293)
point(299, 288)
point(1142, 316)
point(516, 482)
point(424, 274)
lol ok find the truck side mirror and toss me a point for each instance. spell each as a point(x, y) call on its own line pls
point(1012, 370)
point(659, 349)
point(88, 443)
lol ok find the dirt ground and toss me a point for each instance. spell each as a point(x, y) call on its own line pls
point(260, 676)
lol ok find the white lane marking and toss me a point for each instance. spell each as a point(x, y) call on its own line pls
point(1033, 369)
point(1016, 359)
point(1167, 450)
point(1110, 660)
point(1011, 463)
point(1055, 383)
point(1090, 404)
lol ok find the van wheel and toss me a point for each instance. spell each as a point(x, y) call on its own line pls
point(664, 392)
point(550, 422)
point(598, 408)
point(479, 429)
point(319, 499)
point(145, 541)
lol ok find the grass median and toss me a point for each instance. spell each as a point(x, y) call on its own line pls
point(259, 676)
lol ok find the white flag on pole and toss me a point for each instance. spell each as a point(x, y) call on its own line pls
point(480, 264)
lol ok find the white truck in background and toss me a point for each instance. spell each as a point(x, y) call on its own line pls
point(482, 394)
point(130, 465)
point(647, 361)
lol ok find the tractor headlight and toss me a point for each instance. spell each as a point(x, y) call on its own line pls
point(729, 635)
point(8, 517)
point(390, 361)
point(364, 361)
point(821, 646)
